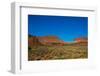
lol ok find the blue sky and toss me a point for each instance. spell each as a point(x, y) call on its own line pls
point(67, 28)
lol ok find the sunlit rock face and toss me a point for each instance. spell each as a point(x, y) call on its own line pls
point(81, 41)
point(53, 40)
point(45, 40)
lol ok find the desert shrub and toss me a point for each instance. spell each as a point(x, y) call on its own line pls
point(58, 52)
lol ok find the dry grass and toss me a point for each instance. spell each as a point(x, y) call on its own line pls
point(57, 52)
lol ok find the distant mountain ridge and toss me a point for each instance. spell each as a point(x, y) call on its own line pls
point(51, 40)
point(82, 39)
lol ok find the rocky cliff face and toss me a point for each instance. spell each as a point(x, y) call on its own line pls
point(45, 40)
point(50, 40)
point(33, 41)
point(81, 41)
point(53, 40)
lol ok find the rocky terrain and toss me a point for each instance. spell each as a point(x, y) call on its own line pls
point(51, 48)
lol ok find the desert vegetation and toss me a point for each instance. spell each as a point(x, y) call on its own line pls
point(54, 51)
